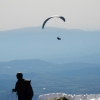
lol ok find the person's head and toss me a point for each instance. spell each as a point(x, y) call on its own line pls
point(19, 75)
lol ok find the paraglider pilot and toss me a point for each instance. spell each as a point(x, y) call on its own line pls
point(58, 38)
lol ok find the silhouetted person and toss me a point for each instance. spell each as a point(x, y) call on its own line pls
point(23, 88)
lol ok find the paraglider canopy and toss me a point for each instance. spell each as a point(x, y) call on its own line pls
point(61, 17)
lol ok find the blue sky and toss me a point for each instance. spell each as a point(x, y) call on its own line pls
point(79, 14)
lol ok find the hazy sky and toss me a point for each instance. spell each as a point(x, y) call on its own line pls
point(79, 14)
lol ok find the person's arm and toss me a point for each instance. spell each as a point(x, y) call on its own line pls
point(15, 89)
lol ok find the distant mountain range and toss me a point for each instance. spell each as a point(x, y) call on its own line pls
point(34, 43)
point(37, 66)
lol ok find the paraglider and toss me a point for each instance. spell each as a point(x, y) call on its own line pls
point(61, 17)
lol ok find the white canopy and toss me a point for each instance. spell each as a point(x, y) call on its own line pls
point(69, 96)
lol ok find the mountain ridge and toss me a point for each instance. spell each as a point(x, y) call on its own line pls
point(41, 66)
point(35, 43)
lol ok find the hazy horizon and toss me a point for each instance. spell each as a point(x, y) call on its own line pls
point(79, 14)
point(49, 27)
